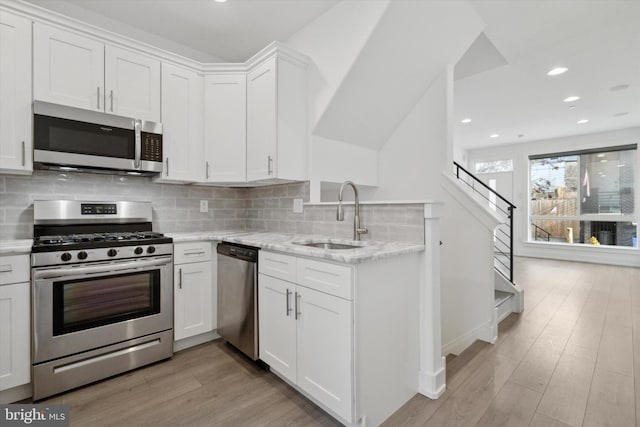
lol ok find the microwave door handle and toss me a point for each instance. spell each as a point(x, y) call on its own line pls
point(138, 148)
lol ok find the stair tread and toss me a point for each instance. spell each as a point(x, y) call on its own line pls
point(500, 297)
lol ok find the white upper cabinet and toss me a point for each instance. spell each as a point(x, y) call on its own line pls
point(15, 87)
point(182, 124)
point(81, 72)
point(225, 112)
point(132, 84)
point(277, 121)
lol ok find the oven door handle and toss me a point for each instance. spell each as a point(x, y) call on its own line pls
point(107, 268)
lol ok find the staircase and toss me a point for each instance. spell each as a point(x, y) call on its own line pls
point(508, 296)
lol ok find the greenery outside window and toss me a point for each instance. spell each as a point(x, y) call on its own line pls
point(584, 197)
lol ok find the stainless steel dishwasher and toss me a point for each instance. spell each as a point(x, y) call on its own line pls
point(238, 297)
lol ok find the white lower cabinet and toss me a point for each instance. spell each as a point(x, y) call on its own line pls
point(194, 285)
point(306, 336)
point(344, 335)
point(15, 324)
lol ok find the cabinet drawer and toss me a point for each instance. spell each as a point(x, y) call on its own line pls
point(324, 277)
point(192, 252)
point(277, 265)
point(14, 269)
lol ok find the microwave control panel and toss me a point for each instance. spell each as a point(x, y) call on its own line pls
point(151, 147)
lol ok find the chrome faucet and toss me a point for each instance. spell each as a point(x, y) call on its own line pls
point(357, 230)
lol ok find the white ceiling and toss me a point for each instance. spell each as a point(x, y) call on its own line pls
point(501, 84)
point(599, 41)
point(231, 31)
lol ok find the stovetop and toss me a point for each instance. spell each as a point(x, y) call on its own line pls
point(49, 243)
point(96, 237)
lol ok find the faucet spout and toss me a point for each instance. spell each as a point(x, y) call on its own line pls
point(357, 229)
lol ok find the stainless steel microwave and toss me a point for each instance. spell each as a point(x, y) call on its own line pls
point(72, 138)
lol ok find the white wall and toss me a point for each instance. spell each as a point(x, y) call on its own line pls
point(411, 161)
point(333, 41)
point(520, 154)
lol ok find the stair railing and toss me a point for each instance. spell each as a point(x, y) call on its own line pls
point(537, 229)
point(503, 236)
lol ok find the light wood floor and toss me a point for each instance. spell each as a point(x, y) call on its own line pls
point(569, 360)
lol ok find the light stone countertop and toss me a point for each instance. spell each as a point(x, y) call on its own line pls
point(283, 242)
point(16, 247)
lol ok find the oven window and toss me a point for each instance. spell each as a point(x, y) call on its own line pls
point(87, 303)
point(70, 136)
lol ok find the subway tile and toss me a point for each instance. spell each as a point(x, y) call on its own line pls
point(19, 216)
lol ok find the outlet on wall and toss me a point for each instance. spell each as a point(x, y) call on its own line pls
point(297, 205)
point(204, 206)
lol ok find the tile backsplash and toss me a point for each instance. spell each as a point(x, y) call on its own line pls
point(177, 207)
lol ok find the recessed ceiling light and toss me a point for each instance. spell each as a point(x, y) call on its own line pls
point(557, 71)
point(220, 1)
point(620, 114)
point(582, 121)
point(467, 120)
point(604, 161)
point(619, 87)
point(621, 165)
point(603, 175)
point(572, 107)
point(601, 155)
point(494, 135)
point(571, 98)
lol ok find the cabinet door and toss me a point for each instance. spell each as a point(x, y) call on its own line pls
point(68, 68)
point(15, 335)
point(193, 313)
point(132, 84)
point(325, 331)
point(277, 322)
point(15, 87)
point(262, 129)
point(225, 131)
point(182, 127)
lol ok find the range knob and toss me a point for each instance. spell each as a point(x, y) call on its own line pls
point(138, 250)
point(65, 256)
point(82, 255)
point(151, 249)
point(112, 252)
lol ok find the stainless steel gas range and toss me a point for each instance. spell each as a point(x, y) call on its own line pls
point(102, 292)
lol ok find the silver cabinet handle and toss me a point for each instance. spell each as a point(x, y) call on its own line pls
point(9, 268)
point(167, 163)
point(180, 279)
point(24, 154)
point(288, 305)
point(207, 163)
point(98, 103)
point(194, 253)
point(111, 95)
point(269, 163)
point(297, 314)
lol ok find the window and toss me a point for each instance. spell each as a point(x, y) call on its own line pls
point(494, 166)
point(584, 197)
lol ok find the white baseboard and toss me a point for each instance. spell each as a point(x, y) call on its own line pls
point(16, 394)
point(458, 345)
point(195, 340)
point(433, 384)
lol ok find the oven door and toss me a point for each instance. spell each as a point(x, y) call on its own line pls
point(83, 307)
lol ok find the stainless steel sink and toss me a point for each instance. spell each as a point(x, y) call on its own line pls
point(327, 245)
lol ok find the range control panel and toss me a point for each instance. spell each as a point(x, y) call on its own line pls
point(99, 209)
